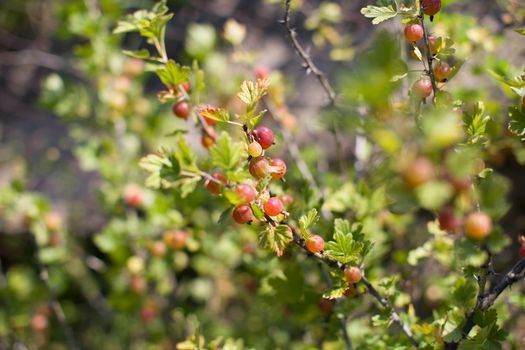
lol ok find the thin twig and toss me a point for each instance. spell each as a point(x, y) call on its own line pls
point(429, 56)
point(308, 62)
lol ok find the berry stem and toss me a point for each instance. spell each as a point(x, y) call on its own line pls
point(428, 53)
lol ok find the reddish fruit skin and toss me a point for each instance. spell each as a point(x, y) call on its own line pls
point(441, 71)
point(521, 252)
point(419, 172)
point(182, 109)
point(326, 306)
point(278, 168)
point(148, 313)
point(246, 193)
point(264, 135)
point(431, 7)
point(207, 141)
point(460, 184)
point(39, 322)
point(214, 187)
point(449, 221)
point(352, 274)
point(422, 88)
point(478, 226)
point(273, 206)
point(259, 167)
point(242, 214)
point(433, 45)
point(315, 244)
point(187, 86)
point(158, 248)
point(262, 72)
point(414, 32)
point(175, 239)
point(287, 199)
point(254, 149)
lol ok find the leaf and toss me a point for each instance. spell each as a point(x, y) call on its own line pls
point(184, 154)
point(252, 92)
point(349, 245)
point(225, 153)
point(215, 113)
point(143, 54)
point(517, 121)
point(379, 13)
point(307, 221)
point(335, 292)
point(476, 125)
point(276, 238)
point(172, 73)
point(163, 168)
point(520, 31)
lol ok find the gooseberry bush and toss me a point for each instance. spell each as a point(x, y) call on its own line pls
point(232, 225)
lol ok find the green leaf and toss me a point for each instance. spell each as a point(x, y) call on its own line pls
point(307, 221)
point(379, 13)
point(142, 54)
point(335, 292)
point(163, 168)
point(476, 124)
point(184, 154)
point(172, 73)
point(225, 153)
point(257, 212)
point(349, 245)
point(276, 238)
point(517, 121)
point(252, 92)
point(434, 194)
point(520, 31)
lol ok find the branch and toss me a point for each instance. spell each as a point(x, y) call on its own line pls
point(428, 54)
point(309, 64)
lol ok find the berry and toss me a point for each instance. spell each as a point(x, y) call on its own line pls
point(176, 239)
point(187, 86)
point(433, 45)
point(431, 7)
point(254, 149)
point(53, 221)
point(478, 226)
point(273, 207)
point(148, 313)
point(216, 187)
point(133, 196)
point(263, 135)
point(262, 72)
point(242, 214)
point(449, 221)
point(414, 32)
point(353, 274)
point(137, 284)
point(157, 248)
point(207, 141)
point(278, 168)
point(441, 71)
point(39, 322)
point(259, 167)
point(422, 88)
point(521, 252)
point(315, 244)
point(460, 184)
point(287, 199)
point(326, 306)
point(181, 109)
point(246, 193)
point(420, 171)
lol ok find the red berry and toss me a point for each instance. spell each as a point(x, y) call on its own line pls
point(254, 149)
point(478, 226)
point(148, 313)
point(441, 71)
point(157, 248)
point(287, 199)
point(315, 244)
point(460, 184)
point(433, 45)
point(242, 214)
point(449, 221)
point(207, 141)
point(422, 88)
point(262, 72)
point(187, 86)
point(133, 196)
point(246, 193)
point(521, 252)
point(431, 7)
point(175, 239)
point(216, 187)
point(273, 206)
point(414, 32)
point(259, 167)
point(39, 322)
point(182, 109)
point(278, 168)
point(353, 274)
point(418, 172)
point(263, 135)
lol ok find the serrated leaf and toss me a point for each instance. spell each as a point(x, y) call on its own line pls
point(252, 92)
point(184, 154)
point(225, 153)
point(172, 73)
point(307, 221)
point(379, 13)
point(335, 292)
point(163, 168)
point(142, 54)
point(257, 212)
point(215, 113)
point(349, 245)
point(276, 238)
point(517, 121)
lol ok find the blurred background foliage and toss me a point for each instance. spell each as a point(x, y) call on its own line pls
point(77, 115)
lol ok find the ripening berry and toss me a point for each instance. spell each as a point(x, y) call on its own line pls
point(148, 313)
point(278, 168)
point(207, 141)
point(418, 172)
point(39, 322)
point(254, 149)
point(246, 193)
point(413, 32)
point(353, 274)
point(287, 199)
point(242, 214)
point(133, 196)
point(259, 167)
point(460, 184)
point(263, 135)
point(175, 239)
point(216, 187)
point(431, 7)
point(181, 109)
point(187, 87)
point(422, 88)
point(273, 206)
point(137, 284)
point(262, 72)
point(477, 226)
point(315, 244)
point(449, 221)
point(441, 71)
point(157, 248)
point(53, 221)
point(521, 252)
point(433, 45)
